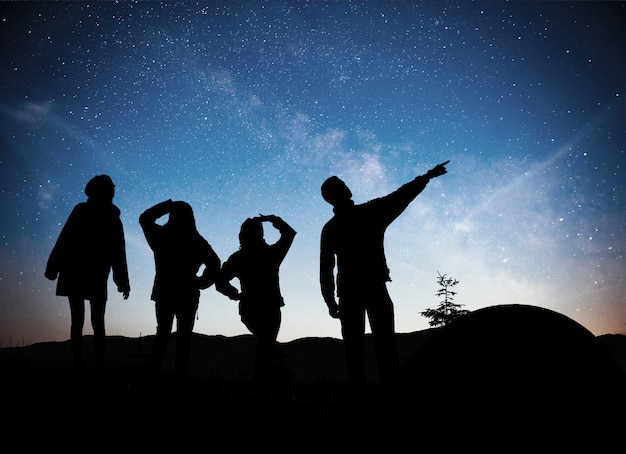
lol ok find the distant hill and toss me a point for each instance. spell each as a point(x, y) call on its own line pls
point(616, 344)
point(517, 372)
point(311, 360)
point(440, 401)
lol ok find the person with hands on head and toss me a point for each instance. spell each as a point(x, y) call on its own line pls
point(90, 245)
point(180, 252)
point(256, 265)
point(352, 242)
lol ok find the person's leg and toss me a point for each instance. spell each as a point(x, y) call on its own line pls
point(381, 319)
point(165, 320)
point(99, 335)
point(266, 342)
point(262, 361)
point(184, 329)
point(353, 333)
point(77, 312)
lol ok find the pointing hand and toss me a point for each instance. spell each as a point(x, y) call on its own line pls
point(438, 170)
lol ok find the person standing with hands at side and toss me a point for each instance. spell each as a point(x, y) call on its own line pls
point(90, 245)
point(180, 252)
point(353, 241)
point(256, 265)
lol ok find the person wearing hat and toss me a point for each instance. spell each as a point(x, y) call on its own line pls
point(91, 245)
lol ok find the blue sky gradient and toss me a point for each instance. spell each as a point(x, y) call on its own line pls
point(241, 108)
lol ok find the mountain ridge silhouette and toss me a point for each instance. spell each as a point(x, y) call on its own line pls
point(307, 360)
point(310, 401)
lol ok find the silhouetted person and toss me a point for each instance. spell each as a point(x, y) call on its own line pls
point(90, 245)
point(256, 264)
point(179, 254)
point(353, 239)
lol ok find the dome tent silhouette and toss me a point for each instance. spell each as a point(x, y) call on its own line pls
point(512, 370)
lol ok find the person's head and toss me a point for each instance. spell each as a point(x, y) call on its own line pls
point(181, 217)
point(251, 232)
point(100, 188)
point(335, 191)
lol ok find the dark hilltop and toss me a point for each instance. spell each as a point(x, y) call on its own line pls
point(494, 376)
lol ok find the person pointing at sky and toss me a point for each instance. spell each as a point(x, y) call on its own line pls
point(353, 241)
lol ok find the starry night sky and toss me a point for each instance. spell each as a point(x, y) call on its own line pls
point(241, 108)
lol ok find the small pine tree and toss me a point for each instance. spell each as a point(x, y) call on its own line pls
point(447, 309)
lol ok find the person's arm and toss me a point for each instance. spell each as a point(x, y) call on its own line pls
point(148, 218)
point(417, 185)
point(119, 265)
point(392, 205)
point(211, 270)
point(438, 170)
point(222, 282)
point(153, 213)
point(327, 276)
point(287, 233)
